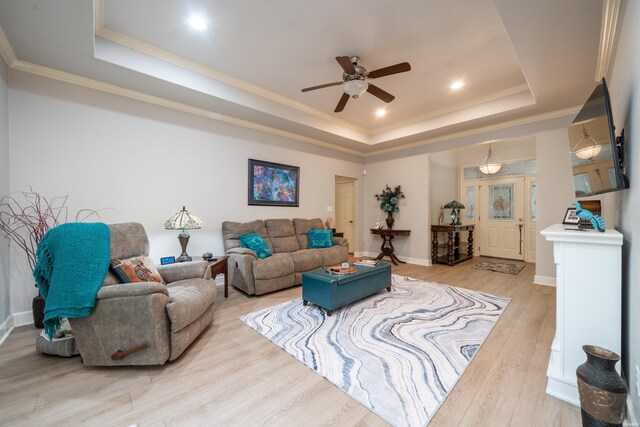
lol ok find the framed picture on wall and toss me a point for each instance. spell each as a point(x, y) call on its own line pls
point(570, 217)
point(273, 184)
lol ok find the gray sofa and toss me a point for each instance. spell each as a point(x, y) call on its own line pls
point(291, 257)
point(145, 323)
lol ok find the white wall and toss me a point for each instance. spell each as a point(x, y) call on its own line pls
point(443, 169)
point(4, 189)
point(143, 163)
point(555, 193)
point(412, 173)
point(624, 87)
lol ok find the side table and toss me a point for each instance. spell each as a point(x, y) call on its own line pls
point(219, 266)
point(452, 250)
point(387, 248)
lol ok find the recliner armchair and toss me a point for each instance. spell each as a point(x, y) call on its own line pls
point(145, 323)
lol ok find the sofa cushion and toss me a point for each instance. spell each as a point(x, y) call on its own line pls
point(135, 269)
point(320, 238)
point(282, 235)
point(302, 227)
point(306, 260)
point(275, 266)
point(334, 255)
point(188, 300)
point(256, 243)
point(231, 232)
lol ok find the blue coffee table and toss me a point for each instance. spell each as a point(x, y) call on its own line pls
point(331, 291)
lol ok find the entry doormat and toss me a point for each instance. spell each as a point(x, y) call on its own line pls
point(398, 353)
point(500, 267)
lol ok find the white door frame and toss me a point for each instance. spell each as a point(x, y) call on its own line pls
point(476, 182)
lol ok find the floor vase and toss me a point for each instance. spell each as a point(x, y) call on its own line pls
point(603, 392)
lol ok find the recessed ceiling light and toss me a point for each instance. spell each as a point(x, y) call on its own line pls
point(457, 85)
point(381, 112)
point(197, 22)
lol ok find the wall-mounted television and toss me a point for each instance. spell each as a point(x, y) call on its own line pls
point(597, 155)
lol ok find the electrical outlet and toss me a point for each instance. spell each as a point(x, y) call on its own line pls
point(637, 382)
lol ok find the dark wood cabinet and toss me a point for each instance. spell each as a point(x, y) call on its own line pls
point(446, 245)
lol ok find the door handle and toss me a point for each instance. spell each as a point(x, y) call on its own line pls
point(520, 228)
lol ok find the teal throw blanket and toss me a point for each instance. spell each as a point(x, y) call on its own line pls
point(72, 262)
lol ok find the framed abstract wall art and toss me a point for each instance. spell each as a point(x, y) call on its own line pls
point(273, 184)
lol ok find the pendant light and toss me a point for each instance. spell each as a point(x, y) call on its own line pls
point(491, 164)
point(589, 149)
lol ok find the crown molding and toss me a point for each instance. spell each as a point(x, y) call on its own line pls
point(610, 14)
point(162, 102)
point(147, 49)
point(6, 51)
point(490, 128)
point(454, 108)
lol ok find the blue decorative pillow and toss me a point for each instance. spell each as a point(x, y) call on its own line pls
point(256, 243)
point(320, 238)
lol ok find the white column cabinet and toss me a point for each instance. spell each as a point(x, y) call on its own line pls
point(588, 302)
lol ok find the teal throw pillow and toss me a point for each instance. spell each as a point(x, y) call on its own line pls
point(320, 238)
point(256, 243)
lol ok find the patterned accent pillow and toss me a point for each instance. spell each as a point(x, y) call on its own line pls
point(136, 269)
point(320, 238)
point(256, 243)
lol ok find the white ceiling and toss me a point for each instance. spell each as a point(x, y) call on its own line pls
point(523, 61)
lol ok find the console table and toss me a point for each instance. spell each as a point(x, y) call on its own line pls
point(387, 246)
point(588, 302)
point(452, 250)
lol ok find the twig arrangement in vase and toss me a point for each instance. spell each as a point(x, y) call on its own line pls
point(389, 199)
point(26, 216)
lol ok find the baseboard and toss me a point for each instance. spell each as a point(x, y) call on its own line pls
point(544, 280)
point(22, 318)
point(416, 261)
point(5, 328)
point(630, 419)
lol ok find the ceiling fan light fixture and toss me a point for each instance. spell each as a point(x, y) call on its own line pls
point(355, 88)
point(589, 149)
point(491, 164)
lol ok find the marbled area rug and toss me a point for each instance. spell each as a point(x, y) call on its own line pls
point(500, 267)
point(398, 353)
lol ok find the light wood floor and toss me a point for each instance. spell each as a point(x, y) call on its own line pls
point(233, 376)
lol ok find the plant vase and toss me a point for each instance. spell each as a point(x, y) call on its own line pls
point(390, 220)
point(603, 392)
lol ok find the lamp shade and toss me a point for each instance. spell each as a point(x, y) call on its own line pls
point(355, 88)
point(491, 164)
point(183, 220)
point(454, 204)
point(586, 148)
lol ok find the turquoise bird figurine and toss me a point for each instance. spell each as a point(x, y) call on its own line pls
point(596, 220)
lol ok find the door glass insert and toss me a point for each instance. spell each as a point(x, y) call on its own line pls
point(532, 201)
point(470, 203)
point(582, 184)
point(501, 202)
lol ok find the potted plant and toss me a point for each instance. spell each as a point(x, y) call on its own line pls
point(389, 199)
point(25, 217)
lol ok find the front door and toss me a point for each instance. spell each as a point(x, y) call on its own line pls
point(501, 218)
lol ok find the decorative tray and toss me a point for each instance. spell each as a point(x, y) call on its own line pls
point(336, 269)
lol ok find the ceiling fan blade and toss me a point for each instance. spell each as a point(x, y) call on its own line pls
point(376, 91)
point(307, 89)
point(343, 101)
point(387, 71)
point(345, 63)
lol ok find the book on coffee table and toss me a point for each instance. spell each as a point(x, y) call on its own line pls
point(366, 262)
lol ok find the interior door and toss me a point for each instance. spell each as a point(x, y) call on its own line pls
point(345, 217)
point(501, 222)
point(530, 221)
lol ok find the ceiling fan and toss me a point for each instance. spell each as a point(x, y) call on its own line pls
point(355, 80)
